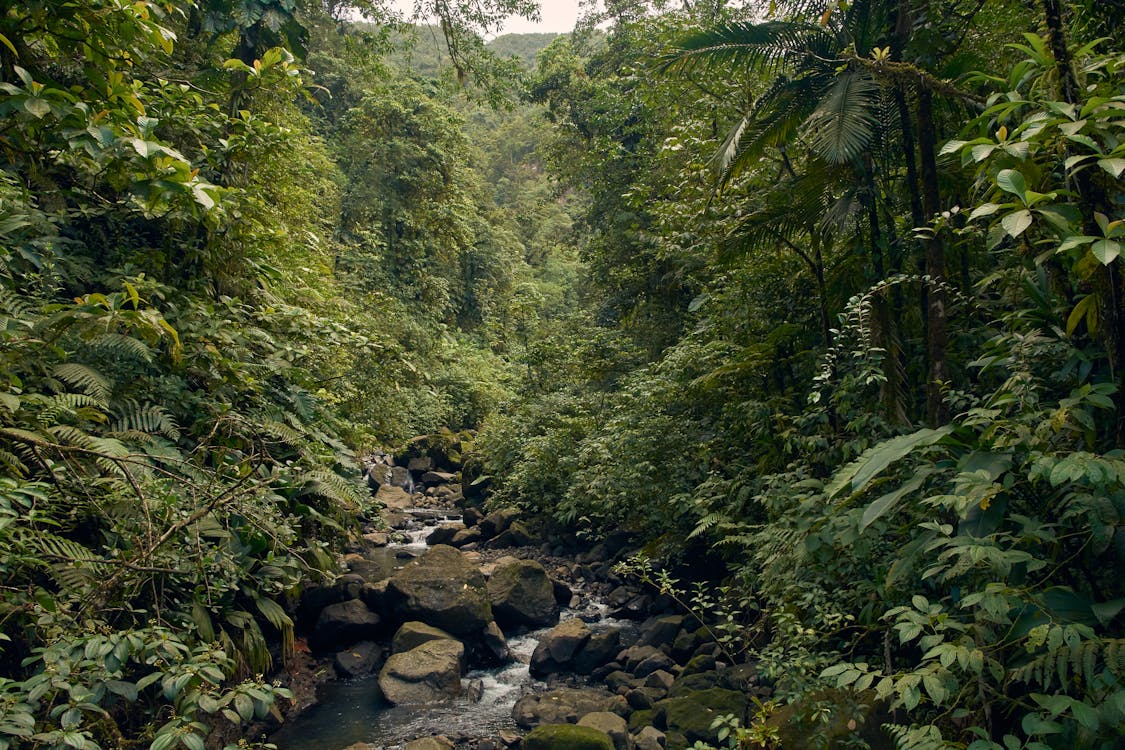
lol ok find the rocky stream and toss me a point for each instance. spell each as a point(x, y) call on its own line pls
point(458, 628)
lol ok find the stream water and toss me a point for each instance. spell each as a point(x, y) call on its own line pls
point(350, 711)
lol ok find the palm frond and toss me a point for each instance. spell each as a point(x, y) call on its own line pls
point(739, 45)
point(843, 124)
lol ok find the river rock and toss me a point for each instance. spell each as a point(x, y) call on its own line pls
point(612, 724)
point(656, 662)
point(658, 631)
point(465, 537)
point(558, 647)
point(343, 624)
point(394, 497)
point(471, 516)
point(413, 634)
point(560, 705)
point(437, 742)
point(361, 659)
point(649, 738)
point(444, 534)
point(495, 642)
point(420, 464)
point(428, 673)
point(693, 713)
point(522, 594)
point(599, 650)
point(497, 521)
point(441, 589)
point(566, 737)
point(434, 478)
point(516, 535)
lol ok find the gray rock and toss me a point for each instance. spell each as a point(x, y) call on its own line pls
point(413, 634)
point(559, 706)
point(599, 650)
point(498, 521)
point(612, 724)
point(634, 655)
point(420, 463)
point(558, 647)
point(437, 742)
point(341, 625)
point(444, 534)
point(649, 738)
point(659, 631)
point(394, 497)
point(522, 594)
point(426, 674)
point(656, 662)
point(516, 535)
point(360, 659)
point(441, 589)
point(494, 640)
point(660, 679)
point(434, 478)
point(465, 537)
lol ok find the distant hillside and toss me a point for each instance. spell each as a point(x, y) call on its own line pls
point(523, 46)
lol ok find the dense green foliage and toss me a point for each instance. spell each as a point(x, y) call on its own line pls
point(216, 288)
point(828, 297)
point(855, 326)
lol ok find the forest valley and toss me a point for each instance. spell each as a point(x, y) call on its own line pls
point(822, 301)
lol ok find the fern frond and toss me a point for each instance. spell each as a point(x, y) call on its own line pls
point(121, 346)
point(917, 738)
point(343, 492)
point(84, 378)
point(144, 419)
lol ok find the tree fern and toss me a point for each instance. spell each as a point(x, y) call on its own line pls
point(121, 346)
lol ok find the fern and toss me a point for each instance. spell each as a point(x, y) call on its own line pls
point(345, 493)
point(1062, 663)
point(917, 738)
point(117, 345)
point(85, 378)
point(134, 420)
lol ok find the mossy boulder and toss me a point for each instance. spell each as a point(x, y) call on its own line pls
point(522, 594)
point(566, 737)
point(441, 588)
point(693, 713)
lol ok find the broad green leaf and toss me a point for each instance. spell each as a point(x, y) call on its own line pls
point(1106, 251)
point(985, 209)
point(883, 505)
point(1012, 181)
point(856, 475)
point(1015, 223)
point(1114, 166)
point(40, 108)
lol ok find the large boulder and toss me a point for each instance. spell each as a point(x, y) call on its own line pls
point(566, 737)
point(428, 673)
point(557, 649)
point(693, 714)
point(522, 594)
point(341, 625)
point(560, 705)
point(413, 634)
point(442, 589)
point(394, 497)
point(444, 533)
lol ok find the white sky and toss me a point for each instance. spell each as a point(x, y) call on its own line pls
point(557, 16)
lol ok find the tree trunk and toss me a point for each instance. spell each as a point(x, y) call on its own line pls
point(937, 334)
